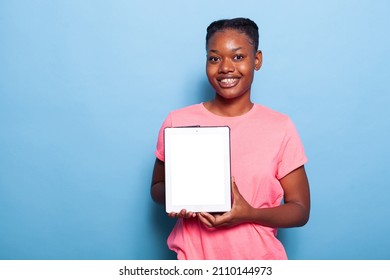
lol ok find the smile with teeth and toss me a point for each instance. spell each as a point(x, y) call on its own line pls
point(228, 82)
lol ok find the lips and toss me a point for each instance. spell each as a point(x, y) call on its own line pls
point(228, 82)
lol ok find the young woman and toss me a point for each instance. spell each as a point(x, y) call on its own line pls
point(270, 187)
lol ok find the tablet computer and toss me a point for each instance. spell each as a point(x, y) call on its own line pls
point(197, 169)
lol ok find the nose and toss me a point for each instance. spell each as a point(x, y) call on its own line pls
point(226, 66)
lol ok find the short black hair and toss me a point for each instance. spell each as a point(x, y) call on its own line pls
point(244, 25)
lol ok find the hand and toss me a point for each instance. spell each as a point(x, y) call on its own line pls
point(240, 212)
point(182, 214)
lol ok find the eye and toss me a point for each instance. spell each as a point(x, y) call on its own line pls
point(213, 59)
point(238, 57)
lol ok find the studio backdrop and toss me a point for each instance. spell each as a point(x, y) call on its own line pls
point(85, 86)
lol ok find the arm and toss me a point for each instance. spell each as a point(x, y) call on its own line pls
point(157, 189)
point(293, 213)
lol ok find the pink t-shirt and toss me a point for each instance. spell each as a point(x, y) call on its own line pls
point(265, 147)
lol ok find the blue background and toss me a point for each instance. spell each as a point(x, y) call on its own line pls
point(85, 86)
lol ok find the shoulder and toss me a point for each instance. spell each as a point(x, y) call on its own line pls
point(189, 115)
point(271, 116)
point(179, 112)
point(187, 110)
point(274, 122)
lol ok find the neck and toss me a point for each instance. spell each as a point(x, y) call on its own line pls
point(229, 107)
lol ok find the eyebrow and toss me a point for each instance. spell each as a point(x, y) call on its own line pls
point(233, 50)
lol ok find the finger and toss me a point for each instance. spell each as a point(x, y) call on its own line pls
point(172, 215)
point(185, 214)
point(236, 195)
point(208, 216)
point(221, 220)
point(190, 214)
point(204, 221)
point(207, 219)
point(182, 213)
point(234, 186)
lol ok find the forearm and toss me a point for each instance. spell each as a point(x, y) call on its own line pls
point(293, 213)
point(157, 189)
point(157, 192)
point(283, 216)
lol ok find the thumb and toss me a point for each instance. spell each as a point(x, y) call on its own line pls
point(235, 190)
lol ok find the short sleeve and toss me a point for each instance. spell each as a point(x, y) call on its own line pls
point(160, 140)
point(292, 154)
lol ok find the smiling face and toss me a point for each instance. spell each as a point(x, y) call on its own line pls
point(231, 62)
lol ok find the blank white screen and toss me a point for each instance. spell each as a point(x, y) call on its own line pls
point(197, 163)
point(198, 169)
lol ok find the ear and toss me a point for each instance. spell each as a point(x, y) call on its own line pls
point(258, 60)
